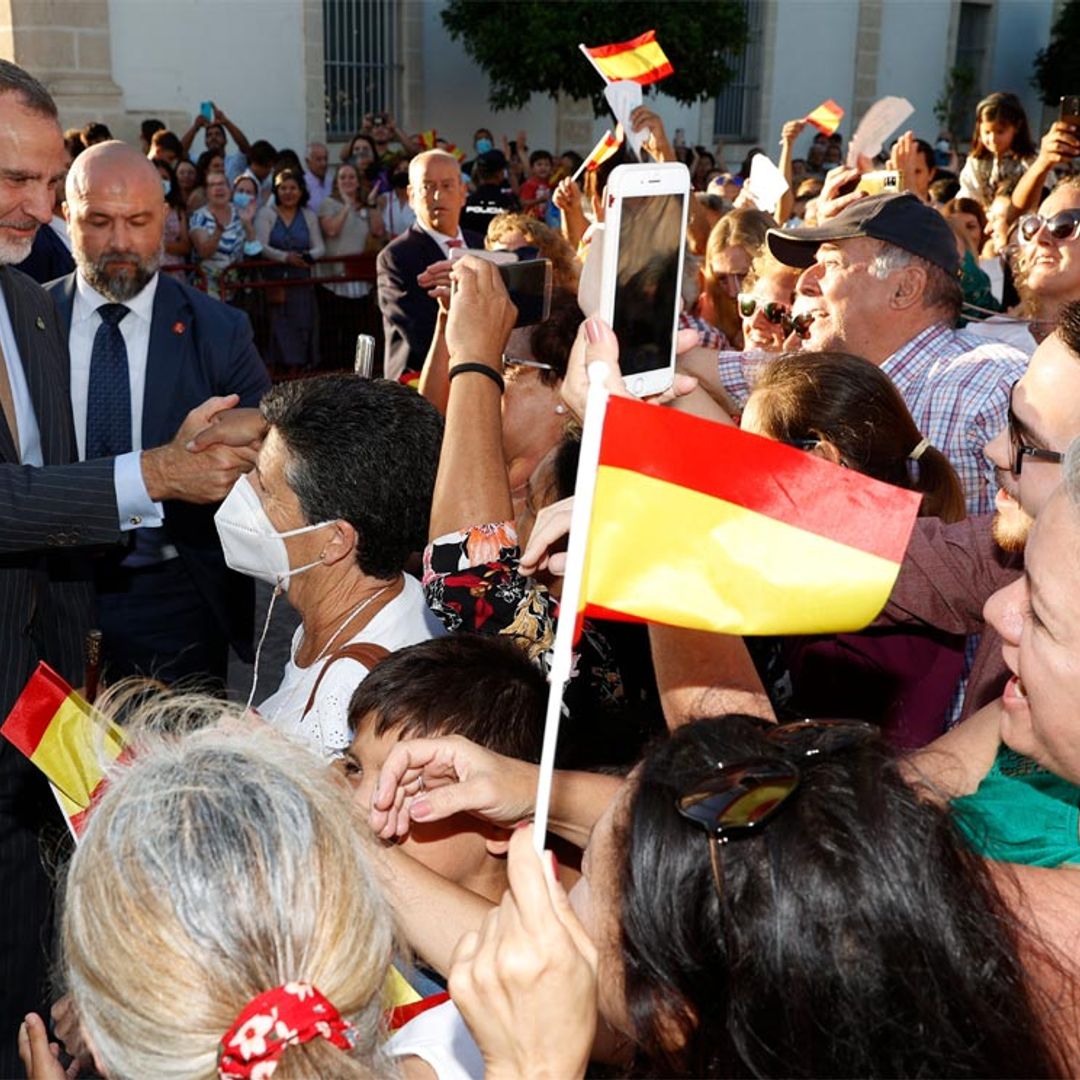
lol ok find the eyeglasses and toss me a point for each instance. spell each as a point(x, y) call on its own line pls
point(520, 361)
point(1064, 225)
point(741, 798)
point(1021, 449)
point(776, 313)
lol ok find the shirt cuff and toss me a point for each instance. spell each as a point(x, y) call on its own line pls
point(137, 510)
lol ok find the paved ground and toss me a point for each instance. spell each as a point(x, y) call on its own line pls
point(275, 650)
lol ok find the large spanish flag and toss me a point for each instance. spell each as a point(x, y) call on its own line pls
point(640, 60)
point(66, 739)
point(701, 525)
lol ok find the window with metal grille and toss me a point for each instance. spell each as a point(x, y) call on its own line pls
point(738, 107)
point(972, 50)
point(360, 40)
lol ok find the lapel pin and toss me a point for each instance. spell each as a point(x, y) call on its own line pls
point(178, 327)
point(39, 322)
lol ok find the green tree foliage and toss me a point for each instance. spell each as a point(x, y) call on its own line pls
point(527, 47)
point(1057, 67)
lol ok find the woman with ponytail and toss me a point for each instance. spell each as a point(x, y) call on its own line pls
point(848, 411)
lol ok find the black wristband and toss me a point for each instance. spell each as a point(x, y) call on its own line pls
point(480, 369)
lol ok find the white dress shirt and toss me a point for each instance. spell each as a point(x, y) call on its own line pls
point(441, 238)
point(29, 436)
point(136, 507)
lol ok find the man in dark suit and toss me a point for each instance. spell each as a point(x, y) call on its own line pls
point(49, 508)
point(437, 194)
point(169, 607)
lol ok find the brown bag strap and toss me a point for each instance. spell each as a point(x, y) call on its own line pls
point(363, 652)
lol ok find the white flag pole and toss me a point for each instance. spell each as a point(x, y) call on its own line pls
point(562, 653)
point(596, 67)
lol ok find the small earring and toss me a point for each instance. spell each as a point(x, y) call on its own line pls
point(559, 410)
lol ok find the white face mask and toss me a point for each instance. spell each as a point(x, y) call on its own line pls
point(250, 542)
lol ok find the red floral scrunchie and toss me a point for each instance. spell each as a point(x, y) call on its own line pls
point(285, 1016)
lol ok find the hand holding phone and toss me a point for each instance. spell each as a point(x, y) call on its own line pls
point(1069, 110)
point(206, 110)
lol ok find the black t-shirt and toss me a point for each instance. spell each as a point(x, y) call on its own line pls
point(484, 203)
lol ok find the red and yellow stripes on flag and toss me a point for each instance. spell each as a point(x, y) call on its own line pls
point(707, 527)
point(607, 146)
point(66, 739)
point(639, 60)
point(429, 140)
point(826, 117)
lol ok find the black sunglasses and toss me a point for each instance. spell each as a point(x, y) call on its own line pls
point(1021, 449)
point(740, 798)
point(1064, 225)
point(777, 313)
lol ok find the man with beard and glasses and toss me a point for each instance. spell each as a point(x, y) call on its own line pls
point(144, 350)
point(950, 571)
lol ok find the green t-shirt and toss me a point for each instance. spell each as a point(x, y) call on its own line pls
point(1021, 813)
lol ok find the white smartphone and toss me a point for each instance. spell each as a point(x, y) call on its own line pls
point(645, 208)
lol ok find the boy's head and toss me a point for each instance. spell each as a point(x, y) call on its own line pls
point(541, 164)
point(483, 688)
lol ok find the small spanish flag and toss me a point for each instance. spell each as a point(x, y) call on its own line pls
point(700, 525)
point(66, 739)
point(826, 117)
point(640, 60)
point(607, 146)
point(427, 139)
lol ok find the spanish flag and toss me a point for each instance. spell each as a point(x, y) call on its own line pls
point(826, 117)
point(700, 525)
point(427, 139)
point(640, 60)
point(607, 146)
point(66, 739)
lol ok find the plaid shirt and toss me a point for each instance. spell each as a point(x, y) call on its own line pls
point(956, 386)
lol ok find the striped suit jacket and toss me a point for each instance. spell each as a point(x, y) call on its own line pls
point(46, 607)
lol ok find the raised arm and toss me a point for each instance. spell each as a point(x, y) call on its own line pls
point(1059, 146)
point(239, 137)
point(471, 487)
point(788, 136)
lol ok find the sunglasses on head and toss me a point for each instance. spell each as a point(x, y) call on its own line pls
point(777, 313)
point(1021, 449)
point(741, 798)
point(1064, 225)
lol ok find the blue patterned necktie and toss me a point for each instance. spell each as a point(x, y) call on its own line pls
point(108, 399)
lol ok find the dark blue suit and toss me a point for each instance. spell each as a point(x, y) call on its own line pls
point(408, 312)
point(178, 619)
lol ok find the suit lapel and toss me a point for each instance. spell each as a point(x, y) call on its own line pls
point(47, 377)
point(171, 331)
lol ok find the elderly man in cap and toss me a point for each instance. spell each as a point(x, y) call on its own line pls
point(879, 280)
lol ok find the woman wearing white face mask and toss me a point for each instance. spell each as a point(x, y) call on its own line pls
point(337, 502)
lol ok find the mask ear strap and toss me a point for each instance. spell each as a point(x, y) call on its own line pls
point(258, 648)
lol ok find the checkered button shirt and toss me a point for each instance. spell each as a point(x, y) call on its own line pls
point(956, 386)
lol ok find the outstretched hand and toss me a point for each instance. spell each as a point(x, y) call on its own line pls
point(432, 779)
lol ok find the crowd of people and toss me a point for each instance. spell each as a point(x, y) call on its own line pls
point(338, 877)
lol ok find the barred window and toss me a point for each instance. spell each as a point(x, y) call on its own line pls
point(360, 39)
point(738, 106)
